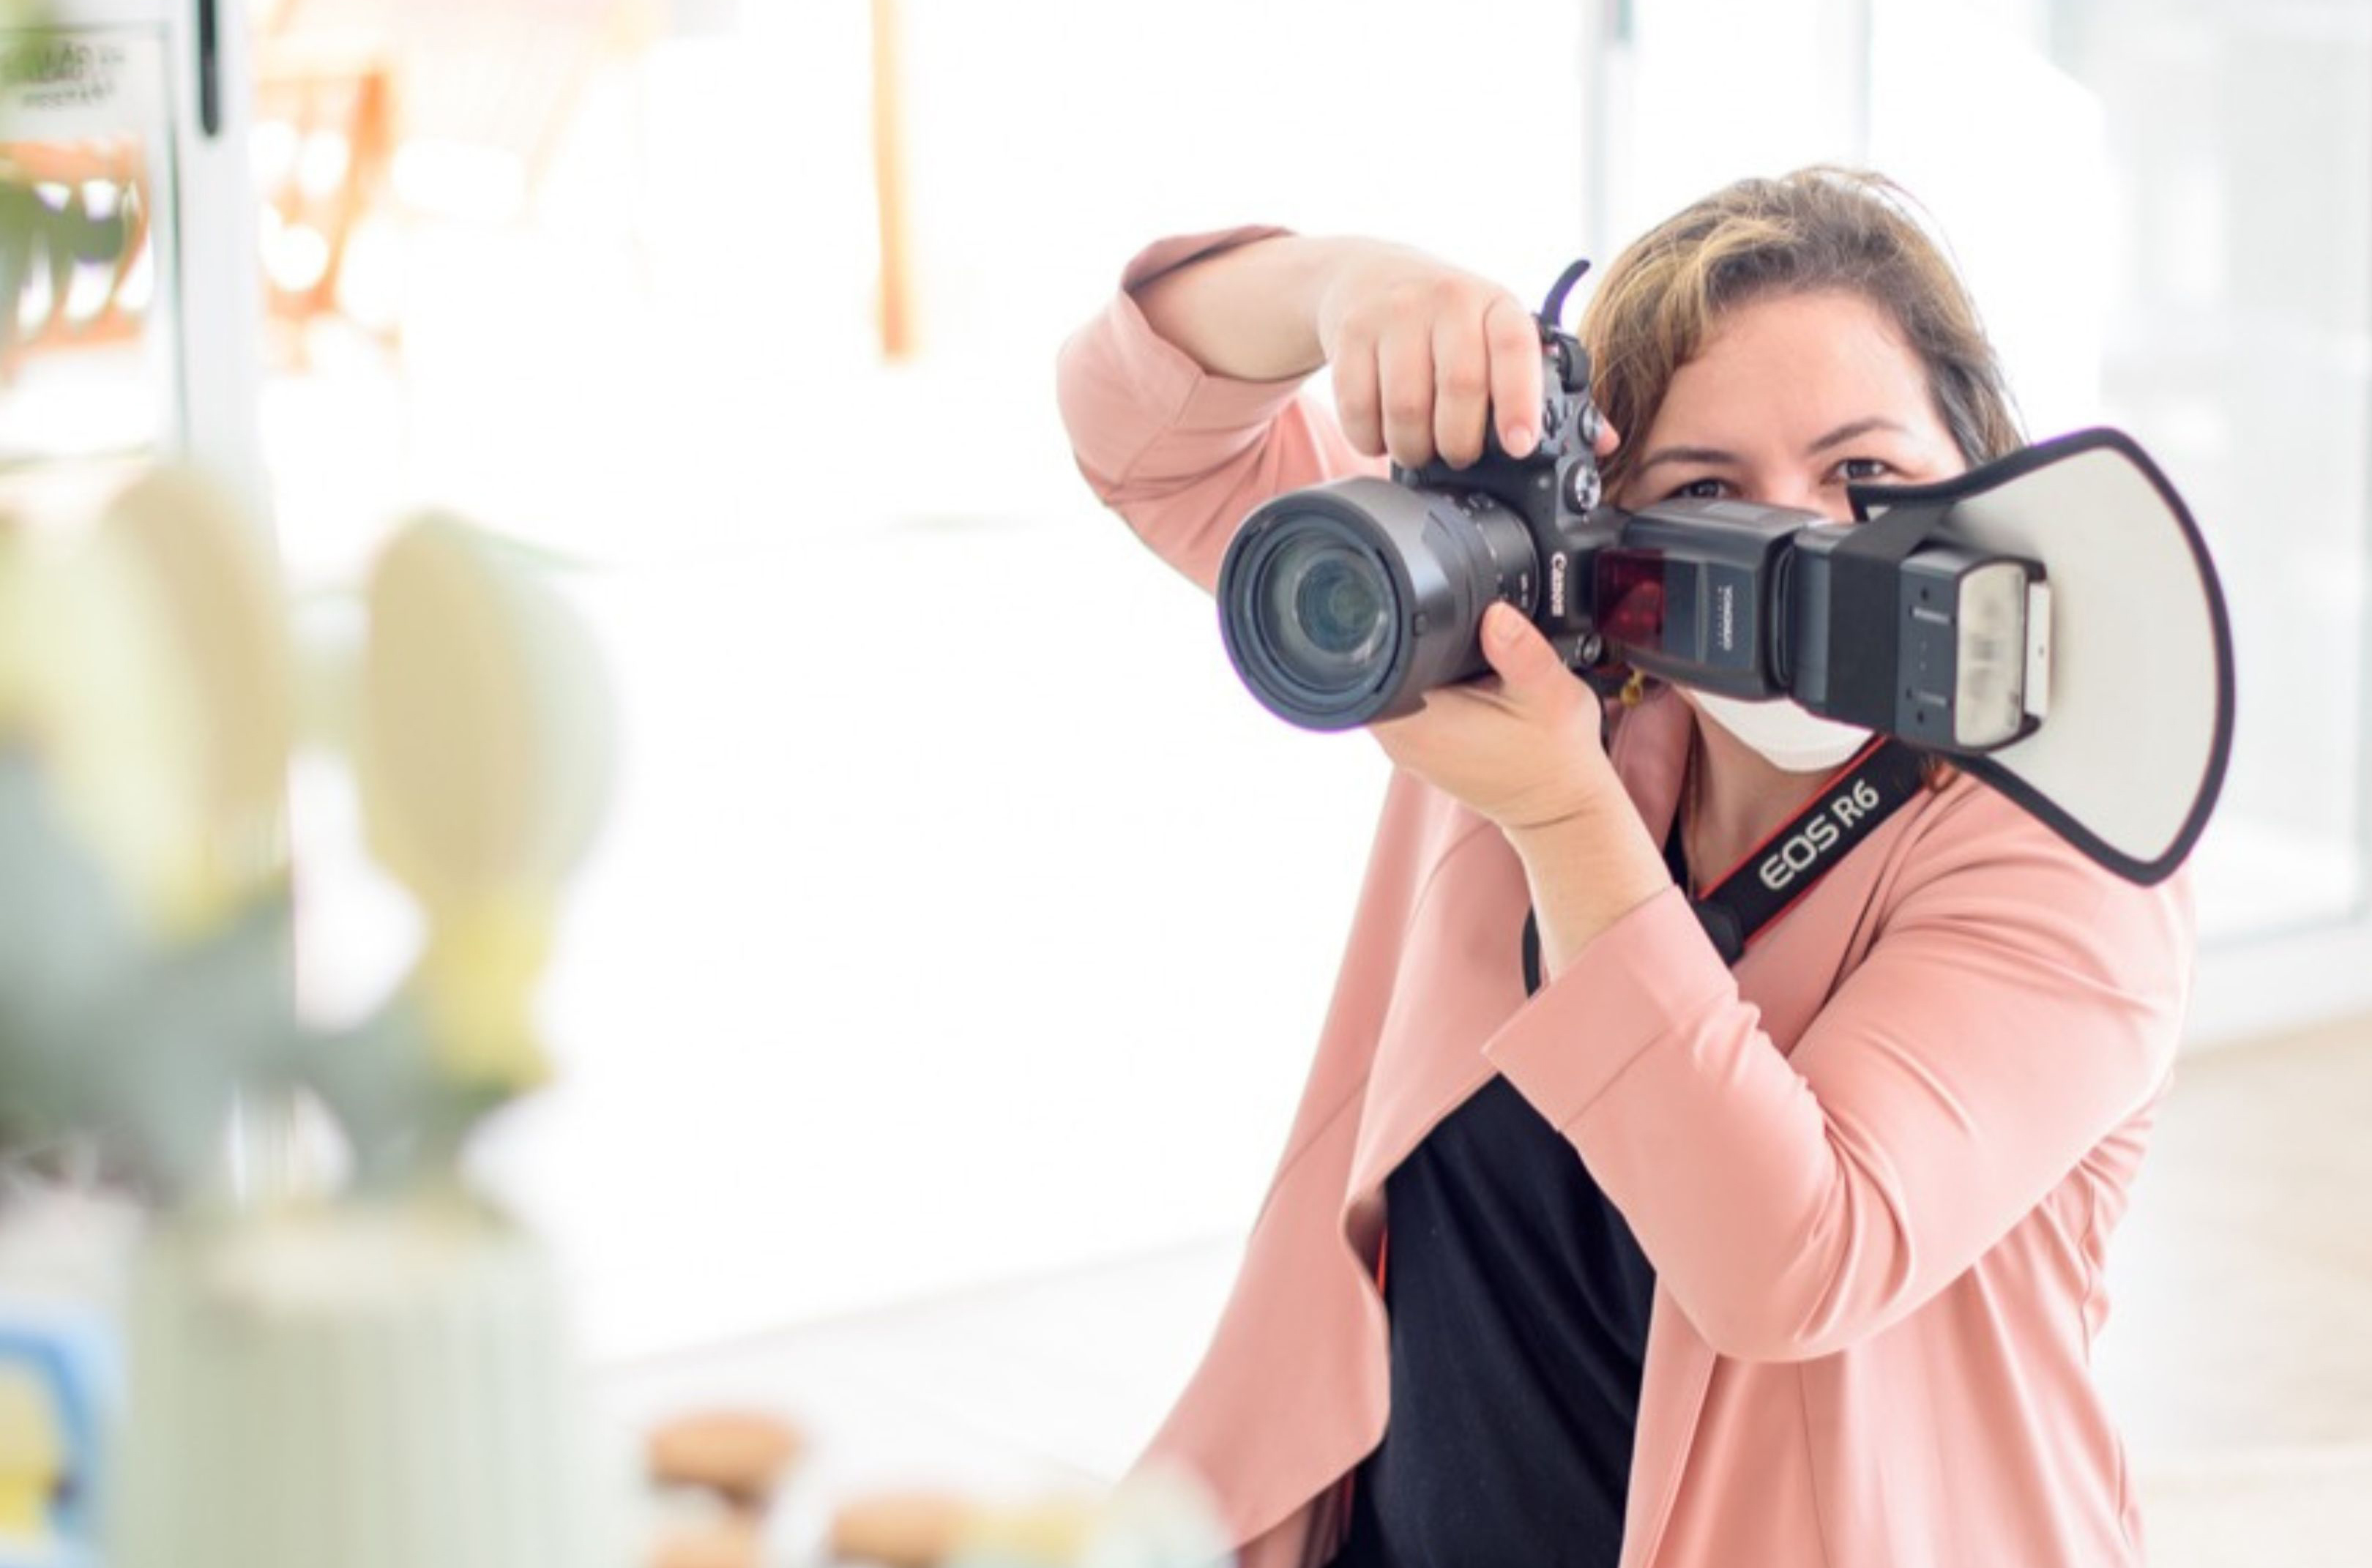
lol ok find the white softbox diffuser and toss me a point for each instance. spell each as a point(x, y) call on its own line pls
point(2131, 756)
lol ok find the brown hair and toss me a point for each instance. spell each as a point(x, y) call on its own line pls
point(1815, 231)
point(1818, 229)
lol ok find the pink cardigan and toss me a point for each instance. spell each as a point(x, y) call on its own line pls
point(1876, 1168)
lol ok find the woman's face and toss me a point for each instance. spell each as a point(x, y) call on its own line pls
point(1794, 396)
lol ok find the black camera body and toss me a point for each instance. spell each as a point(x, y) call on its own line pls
point(1342, 603)
point(1554, 489)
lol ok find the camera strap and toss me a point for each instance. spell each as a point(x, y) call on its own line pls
point(1886, 776)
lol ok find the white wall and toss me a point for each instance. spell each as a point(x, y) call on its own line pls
point(963, 917)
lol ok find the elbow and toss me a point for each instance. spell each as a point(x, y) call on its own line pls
point(1077, 395)
point(1811, 1304)
point(1745, 1332)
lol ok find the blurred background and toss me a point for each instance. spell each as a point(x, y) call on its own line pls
point(930, 1017)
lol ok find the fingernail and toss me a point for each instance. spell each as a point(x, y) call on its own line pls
point(1519, 440)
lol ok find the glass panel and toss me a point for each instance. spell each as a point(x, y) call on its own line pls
point(2168, 233)
point(2239, 145)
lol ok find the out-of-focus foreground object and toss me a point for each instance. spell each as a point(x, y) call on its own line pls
point(739, 1455)
point(721, 1468)
point(376, 1376)
point(1149, 1521)
point(376, 1384)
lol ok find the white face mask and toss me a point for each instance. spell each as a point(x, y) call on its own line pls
point(1793, 740)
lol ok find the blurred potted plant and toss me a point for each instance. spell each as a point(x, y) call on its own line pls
point(379, 1375)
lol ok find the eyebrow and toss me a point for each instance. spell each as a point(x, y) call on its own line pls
point(1714, 455)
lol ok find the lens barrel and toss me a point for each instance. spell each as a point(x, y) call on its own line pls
point(1345, 603)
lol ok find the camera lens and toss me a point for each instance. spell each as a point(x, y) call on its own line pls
point(1346, 602)
point(1312, 614)
point(1327, 611)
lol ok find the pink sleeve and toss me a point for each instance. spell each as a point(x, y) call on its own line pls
point(1181, 454)
point(2017, 1004)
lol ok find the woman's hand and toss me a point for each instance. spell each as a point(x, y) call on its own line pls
point(1425, 358)
point(1425, 355)
point(1521, 745)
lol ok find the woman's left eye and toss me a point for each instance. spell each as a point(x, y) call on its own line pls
point(1860, 470)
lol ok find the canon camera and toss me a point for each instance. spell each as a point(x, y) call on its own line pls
point(1344, 603)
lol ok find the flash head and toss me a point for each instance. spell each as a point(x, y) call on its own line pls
point(1946, 645)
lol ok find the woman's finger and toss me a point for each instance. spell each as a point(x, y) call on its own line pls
point(1461, 387)
point(1356, 402)
point(1519, 656)
point(1404, 370)
point(1517, 392)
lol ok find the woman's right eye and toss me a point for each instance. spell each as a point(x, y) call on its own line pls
point(1705, 489)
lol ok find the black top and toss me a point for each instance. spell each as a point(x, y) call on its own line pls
point(1519, 1303)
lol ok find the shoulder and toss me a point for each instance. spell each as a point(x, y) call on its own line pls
point(1973, 866)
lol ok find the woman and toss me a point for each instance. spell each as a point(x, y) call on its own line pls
point(1790, 1264)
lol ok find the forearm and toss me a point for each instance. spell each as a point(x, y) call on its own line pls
point(1587, 871)
point(2018, 1007)
point(1251, 311)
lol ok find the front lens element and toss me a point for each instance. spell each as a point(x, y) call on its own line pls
point(1326, 611)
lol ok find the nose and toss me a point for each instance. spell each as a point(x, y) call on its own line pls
point(1802, 493)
